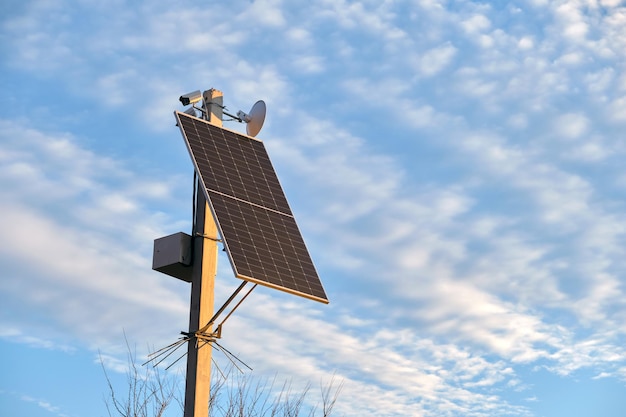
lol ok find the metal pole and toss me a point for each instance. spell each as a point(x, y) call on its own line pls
point(198, 380)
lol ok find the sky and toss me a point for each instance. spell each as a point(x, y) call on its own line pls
point(455, 167)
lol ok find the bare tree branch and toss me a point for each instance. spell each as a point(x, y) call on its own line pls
point(149, 393)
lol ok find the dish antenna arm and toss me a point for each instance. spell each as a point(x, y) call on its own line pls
point(254, 119)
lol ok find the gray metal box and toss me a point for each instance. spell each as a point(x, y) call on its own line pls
point(172, 256)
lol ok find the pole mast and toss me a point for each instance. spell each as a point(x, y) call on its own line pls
point(198, 380)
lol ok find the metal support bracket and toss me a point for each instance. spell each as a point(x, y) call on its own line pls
point(215, 239)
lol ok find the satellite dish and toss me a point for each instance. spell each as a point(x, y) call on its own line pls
point(254, 120)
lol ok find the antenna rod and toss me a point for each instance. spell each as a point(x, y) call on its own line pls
point(221, 310)
point(239, 119)
point(237, 305)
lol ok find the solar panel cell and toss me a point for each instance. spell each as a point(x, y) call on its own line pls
point(259, 231)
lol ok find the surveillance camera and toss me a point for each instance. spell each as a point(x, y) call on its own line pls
point(191, 98)
point(191, 111)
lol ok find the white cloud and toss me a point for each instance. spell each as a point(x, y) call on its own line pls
point(410, 366)
point(265, 12)
point(526, 43)
point(309, 64)
point(46, 405)
point(598, 82)
point(617, 110)
point(571, 125)
point(62, 230)
point(471, 82)
point(574, 25)
point(592, 151)
point(436, 59)
point(300, 37)
point(334, 160)
point(515, 266)
point(114, 88)
point(476, 23)
point(18, 336)
point(376, 20)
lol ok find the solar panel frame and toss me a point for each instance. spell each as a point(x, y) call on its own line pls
point(258, 229)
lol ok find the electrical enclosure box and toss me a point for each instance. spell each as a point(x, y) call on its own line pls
point(172, 256)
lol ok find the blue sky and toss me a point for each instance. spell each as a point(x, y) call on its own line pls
point(456, 169)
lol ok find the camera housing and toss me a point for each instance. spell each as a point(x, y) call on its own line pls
point(191, 98)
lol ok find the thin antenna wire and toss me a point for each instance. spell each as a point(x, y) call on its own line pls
point(233, 355)
point(230, 359)
point(170, 349)
point(169, 354)
point(218, 368)
point(164, 350)
point(173, 363)
point(224, 108)
point(200, 337)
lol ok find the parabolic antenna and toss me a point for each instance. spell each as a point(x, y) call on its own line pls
point(254, 120)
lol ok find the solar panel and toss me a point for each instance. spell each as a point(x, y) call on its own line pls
point(259, 231)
